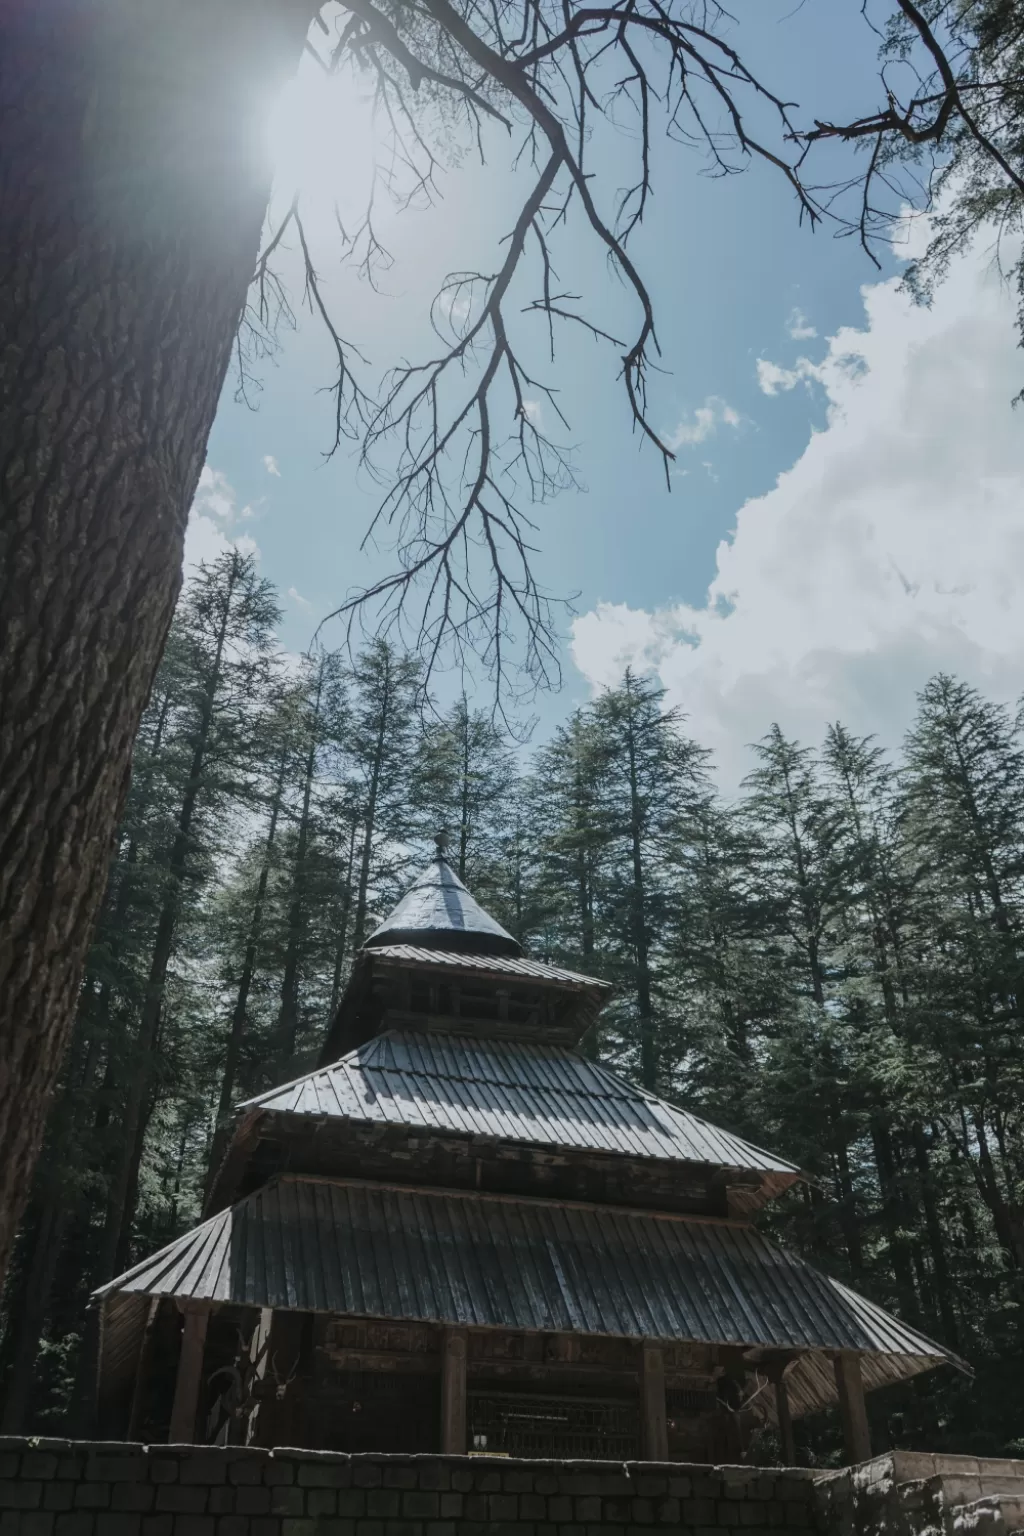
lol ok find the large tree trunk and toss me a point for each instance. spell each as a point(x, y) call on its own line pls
point(133, 186)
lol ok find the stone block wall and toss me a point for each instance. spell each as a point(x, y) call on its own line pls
point(68, 1488)
point(910, 1493)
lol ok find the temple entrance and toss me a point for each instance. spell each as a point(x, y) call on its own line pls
point(381, 1411)
point(543, 1424)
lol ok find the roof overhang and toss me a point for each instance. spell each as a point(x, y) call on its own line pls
point(351, 1248)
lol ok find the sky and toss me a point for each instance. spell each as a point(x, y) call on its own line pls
point(843, 518)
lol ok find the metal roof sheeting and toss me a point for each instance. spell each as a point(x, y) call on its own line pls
point(437, 908)
point(513, 1091)
point(370, 1250)
point(495, 965)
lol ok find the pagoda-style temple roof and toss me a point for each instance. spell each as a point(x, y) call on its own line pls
point(465, 1259)
point(515, 1091)
point(438, 912)
point(458, 1195)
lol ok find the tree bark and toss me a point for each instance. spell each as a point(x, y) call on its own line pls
point(371, 811)
point(288, 1014)
point(936, 1241)
point(241, 1008)
point(645, 1005)
point(847, 1209)
point(894, 1216)
point(464, 799)
point(133, 187)
point(346, 907)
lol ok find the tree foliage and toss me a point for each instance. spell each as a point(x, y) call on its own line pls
point(828, 963)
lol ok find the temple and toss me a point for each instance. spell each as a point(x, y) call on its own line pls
point(459, 1234)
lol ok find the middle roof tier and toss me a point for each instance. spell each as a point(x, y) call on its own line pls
point(523, 1115)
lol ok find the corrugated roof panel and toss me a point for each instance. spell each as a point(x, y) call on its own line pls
point(496, 965)
point(436, 1256)
point(426, 1255)
point(515, 1091)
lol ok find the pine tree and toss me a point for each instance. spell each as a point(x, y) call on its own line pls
point(226, 628)
point(321, 726)
point(383, 691)
point(801, 879)
point(566, 808)
point(651, 777)
point(964, 793)
point(725, 994)
point(873, 934)
point(464, 784)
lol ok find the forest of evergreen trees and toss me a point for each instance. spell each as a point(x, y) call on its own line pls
point(829, 964)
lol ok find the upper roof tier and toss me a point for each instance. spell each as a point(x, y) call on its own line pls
point(437, 912)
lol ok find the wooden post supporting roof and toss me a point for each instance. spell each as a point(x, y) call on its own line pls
point(190, 1377)
point(142, 1368)
point(852, 1407)
point(784, 1416)
point(453, 1392)
point(655, 1411)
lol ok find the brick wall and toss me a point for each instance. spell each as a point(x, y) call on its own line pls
point(68, 1488)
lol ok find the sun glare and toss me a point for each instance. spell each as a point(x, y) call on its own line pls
point(321, 136)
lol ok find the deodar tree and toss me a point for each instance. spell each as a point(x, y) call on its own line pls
point(133, 198)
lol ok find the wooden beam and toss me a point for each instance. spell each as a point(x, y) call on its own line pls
point(852, 1407)
point(785, 1418)
point(190, 1377)
point(453, 1392)
point(655, 1415)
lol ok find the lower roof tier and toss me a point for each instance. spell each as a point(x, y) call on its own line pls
point(351, 1248)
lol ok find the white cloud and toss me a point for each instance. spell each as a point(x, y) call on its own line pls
point(300, 601)
point(270, 465)
point(214, 513)
point(892, 548)
point(799, 327)
point(707, 418)
point(772, 379)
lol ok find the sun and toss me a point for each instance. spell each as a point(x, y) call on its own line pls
point(320, 135)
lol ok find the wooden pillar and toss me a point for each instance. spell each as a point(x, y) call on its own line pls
point(785, 1419)
point(654, 1411)
point(279, 1344)
point(453, 1392)
point(190, 1377)
point(142, 1368)
point(852, 1407)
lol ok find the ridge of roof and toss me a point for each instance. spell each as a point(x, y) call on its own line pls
point(437, 911)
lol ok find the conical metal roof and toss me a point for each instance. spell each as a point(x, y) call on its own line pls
point(437, 912)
